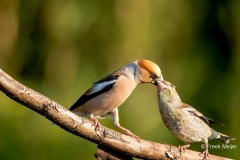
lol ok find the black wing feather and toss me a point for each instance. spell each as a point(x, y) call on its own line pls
point(214, 122)
point(84, 98)
point(207, 120)
point(110, 77)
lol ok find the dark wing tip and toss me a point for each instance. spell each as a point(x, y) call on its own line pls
point(84, 98)
point(214, 122)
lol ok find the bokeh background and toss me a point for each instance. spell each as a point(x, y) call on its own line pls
point(60, 47)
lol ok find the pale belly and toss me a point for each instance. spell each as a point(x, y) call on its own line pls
point(186, 127)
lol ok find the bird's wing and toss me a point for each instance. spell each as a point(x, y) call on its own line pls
point(198, 114)
point(98, 88)
point(214, 122)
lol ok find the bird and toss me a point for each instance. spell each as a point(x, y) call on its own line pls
point(184, 121)
point(106, 95)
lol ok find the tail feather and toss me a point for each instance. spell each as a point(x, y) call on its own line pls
point(222, 137)
point(225, 138)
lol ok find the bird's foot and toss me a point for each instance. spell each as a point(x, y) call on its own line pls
point(182, 149)
point(97, 124)
point(128, 132)
point(133, 135)
point(205, 154)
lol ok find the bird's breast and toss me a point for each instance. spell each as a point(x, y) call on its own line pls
point(169, 119)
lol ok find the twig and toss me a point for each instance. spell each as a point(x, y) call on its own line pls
point(106, 138)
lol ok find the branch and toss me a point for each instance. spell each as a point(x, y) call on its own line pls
point(107, 139)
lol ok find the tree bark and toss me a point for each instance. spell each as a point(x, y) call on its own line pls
point(111, 144)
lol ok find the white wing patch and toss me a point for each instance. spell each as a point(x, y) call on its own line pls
point(99, 86)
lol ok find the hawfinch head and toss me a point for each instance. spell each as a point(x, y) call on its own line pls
point(149, 72)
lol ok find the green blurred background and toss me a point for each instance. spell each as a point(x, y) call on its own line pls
point(60, 47)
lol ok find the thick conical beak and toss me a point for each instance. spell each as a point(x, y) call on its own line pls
point(161, 85)
point(158, 79)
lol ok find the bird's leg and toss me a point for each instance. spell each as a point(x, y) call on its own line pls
point(114, 116)
point(128, 132)
point(183, 148)
point(205, 152)
point(96, 122)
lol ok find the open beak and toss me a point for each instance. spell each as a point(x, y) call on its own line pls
point(159, 80)
point(161, 85)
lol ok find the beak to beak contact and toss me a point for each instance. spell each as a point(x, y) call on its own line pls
point(159, 79)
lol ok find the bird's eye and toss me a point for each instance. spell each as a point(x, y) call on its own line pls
point(153, 76)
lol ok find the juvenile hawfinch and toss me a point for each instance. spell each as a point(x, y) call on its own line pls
point(184, 121)
point(106, 95)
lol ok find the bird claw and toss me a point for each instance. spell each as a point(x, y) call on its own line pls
point(205, 153)
point(133, 135)
point(128, 132)
point(97, 125)
point(181, 149)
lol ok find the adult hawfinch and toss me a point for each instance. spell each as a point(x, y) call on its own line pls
point(106, 95)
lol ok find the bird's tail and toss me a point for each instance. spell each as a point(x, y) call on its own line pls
point(222, 137)
point(225, 138)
